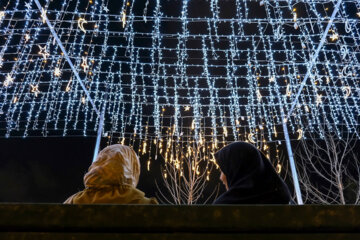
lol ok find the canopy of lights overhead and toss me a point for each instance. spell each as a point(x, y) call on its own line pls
point(165, 72)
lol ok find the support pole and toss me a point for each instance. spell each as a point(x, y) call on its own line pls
point(295, 101)
point(292, 162)
point(314, 57)
point(100, 130)
point(66, 56)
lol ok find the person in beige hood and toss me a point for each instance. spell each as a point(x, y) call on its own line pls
point(112, 178)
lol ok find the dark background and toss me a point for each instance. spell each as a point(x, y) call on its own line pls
point(51, 169)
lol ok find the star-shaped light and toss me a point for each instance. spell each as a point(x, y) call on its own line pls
point(8, 80)
point(106, 9)
point(334, 37)
point(318, 99)
point(358, 14)
point(28, 5)
point(27, 37)
point(35, 89)
point(43, 51)
point(57, 72)
point(187, 108)
point(84, 64)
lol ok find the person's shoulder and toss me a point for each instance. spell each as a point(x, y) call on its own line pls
point(145, 200)
point(73, 197)
point(153, 201)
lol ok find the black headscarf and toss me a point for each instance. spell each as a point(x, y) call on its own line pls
point(250, 176)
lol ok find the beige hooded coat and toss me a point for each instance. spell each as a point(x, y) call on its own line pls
point(112, 178)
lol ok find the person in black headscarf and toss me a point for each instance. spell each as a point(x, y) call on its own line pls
point(249, 177)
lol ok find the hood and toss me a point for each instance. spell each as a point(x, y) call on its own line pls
point(250, 175)
point(115, 165)
point(241, 163)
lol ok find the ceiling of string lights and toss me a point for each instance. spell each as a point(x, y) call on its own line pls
point(178, 71)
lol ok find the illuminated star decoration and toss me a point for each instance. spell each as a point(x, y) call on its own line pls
point(28, 5)
point(84, 64)
point(318, 99)
point(57, 72)
point(217, 100)
point(334, 36)
point(358, 14)
point(81, 22)
point(8, 80)
point(43, 51)
point(35, 89)
point(27, 37)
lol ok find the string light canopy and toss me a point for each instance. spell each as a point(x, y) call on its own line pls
point(170, 72)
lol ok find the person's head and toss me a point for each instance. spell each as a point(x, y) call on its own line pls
point(115, 165)
point(238, 161)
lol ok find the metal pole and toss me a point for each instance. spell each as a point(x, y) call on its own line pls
point(66, 56)
point(312, 62)
point(292, 162)
point(100, 130)
point(294, 103)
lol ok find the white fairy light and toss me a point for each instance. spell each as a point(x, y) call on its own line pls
point(220, 84)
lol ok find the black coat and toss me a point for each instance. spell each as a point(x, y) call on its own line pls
point(251, 177)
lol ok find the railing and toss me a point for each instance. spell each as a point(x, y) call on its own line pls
point(56, 221)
